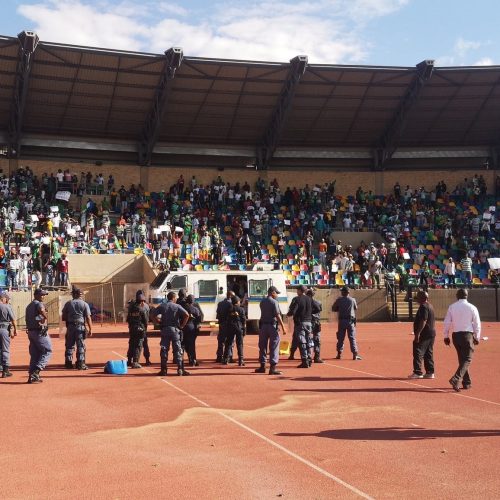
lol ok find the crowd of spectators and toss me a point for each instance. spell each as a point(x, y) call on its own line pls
point(423, 233)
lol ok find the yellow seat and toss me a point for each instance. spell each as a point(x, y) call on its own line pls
point(138, 251)
point(285, 348)
point(339, 280)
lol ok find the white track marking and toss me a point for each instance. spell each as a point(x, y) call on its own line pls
point(413, 383)
point(264, 438)
point(376, 375)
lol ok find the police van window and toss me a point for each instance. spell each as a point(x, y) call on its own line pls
point(257, 288)
point(208, 288)
point(179, 282)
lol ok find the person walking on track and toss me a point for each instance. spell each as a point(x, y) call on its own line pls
point(346, 308)
point(424, 332)
point(76, 314)
point(40, 344)
point(462, 319)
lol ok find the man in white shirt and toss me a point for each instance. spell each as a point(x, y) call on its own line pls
point(462, 319)
point(450, 271)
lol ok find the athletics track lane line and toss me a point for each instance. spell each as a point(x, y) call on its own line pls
point(263, 438)
point(404, 382)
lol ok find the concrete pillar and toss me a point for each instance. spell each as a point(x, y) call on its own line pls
point(379, 183)
point(144, 178)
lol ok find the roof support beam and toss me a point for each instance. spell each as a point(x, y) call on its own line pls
point(388, 141)
point(151, 130)
point(270, 140)
point(28, 41)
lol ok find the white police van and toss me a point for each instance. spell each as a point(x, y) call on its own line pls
point(210, 287)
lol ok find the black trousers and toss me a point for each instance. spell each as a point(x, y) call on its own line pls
point(135, 344)
point(190, 333)
point(221, 340)
point(232, 334)
point(423, 349)
point(463, 342)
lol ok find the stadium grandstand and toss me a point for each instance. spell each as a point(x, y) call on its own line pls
point(334, 174)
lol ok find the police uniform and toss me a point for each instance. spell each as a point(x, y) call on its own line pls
point(137, 319)
point(315, 341)
point(268, 333)
point(301, 310)
point(223, 308)
point(75, 313)
point(316, 329)
point(235, 329)
point(40, 344)
point(346, 308)
point(190, 330)
point(6, 319)
point(171, 315)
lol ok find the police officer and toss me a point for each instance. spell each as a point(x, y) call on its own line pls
point(8, 330)
point(222, 313)
point(190, 331)
point(76, 314)
point(424, 335)
point(316, 325)
point(301, 311)
point(172, 318)
point(269, 338)
point(40, 344)
point(235, 328)
point(346, 308)
point(137, 319)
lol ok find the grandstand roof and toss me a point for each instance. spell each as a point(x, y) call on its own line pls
point(80, 96)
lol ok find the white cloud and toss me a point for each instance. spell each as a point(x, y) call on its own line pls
point(82, 24)
point(328, 31)
point(461, 54)
point(484, 61)
point(463, 46)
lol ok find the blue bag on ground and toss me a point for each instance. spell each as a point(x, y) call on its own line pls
point(118, 367)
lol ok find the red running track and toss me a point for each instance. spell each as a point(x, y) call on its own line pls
point(345, 429)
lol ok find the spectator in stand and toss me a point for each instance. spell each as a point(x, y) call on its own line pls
point(466, 265)
point(450, 271)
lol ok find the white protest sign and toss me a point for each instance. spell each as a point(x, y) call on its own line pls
point(179, 229)
point(19, 226)
point(55, 208)
point(34, 218)
point(71, 232)
point(156, 230)
point(63, 195)
point(25, 250)
point(287, 222)
point(164, 228)
point(101, 232)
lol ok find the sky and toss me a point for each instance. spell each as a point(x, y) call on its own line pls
point(359, 32)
